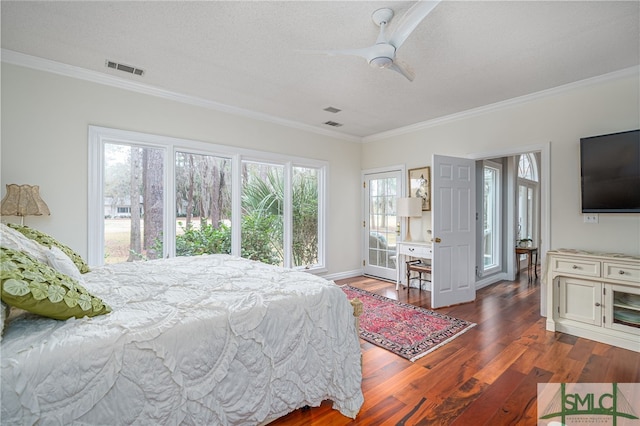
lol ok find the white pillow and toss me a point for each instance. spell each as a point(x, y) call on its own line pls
point(10, 238)
point(59, 261)
point(54, 257)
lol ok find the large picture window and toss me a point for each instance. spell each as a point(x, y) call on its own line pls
point(154, 197)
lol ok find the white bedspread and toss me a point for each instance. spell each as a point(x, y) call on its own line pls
point(193, 340)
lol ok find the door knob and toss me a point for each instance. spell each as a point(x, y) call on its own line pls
point(437, 240)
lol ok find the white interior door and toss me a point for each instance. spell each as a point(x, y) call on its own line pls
point(453, 224)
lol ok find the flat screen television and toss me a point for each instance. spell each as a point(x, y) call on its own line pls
point(610, 173)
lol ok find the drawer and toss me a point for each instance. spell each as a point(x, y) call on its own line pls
point(622, 272)
point(416, 250)
point(587, 268)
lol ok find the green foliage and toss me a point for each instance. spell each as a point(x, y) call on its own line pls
point(260, 237)
point(262, 226)
point(305, 220)
point(263, 204)
point(256, 240)
point(204, 240)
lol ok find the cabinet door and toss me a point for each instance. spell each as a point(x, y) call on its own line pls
point(580, 300)
point(623, 308)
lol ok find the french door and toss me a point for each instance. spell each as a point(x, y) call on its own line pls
point(381, 226)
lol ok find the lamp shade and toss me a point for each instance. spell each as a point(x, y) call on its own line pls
point(23, 200)
point(409, 207)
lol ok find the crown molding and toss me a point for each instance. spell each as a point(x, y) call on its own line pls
point(616, 75)
point(47, 65)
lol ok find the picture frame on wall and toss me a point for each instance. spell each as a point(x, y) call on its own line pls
point(420, 184)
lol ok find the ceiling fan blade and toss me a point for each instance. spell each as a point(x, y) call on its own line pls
point(403, 69)
point(410, 21)
point(363, 53)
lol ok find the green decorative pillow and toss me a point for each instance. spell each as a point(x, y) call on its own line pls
point(48, 241)
point(35, 287)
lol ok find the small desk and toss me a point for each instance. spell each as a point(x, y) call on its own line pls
point(529, 251)
point(404, 249)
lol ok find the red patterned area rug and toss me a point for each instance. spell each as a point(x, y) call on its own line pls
point(406, 330)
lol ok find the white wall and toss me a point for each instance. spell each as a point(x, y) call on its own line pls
point(44, 142)
point(605, 106)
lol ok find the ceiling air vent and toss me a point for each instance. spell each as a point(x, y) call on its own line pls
point(123, 67)
point(332, 109)
point(332, 123)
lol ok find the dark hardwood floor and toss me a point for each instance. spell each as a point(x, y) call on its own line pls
point(487, 376)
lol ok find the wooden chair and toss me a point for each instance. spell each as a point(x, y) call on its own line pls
point(420, 267)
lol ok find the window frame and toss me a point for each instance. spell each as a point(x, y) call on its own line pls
point(532, 185)
point(99, 136)
point(497, 218)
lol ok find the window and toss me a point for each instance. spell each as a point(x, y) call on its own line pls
point(203, 204)
point(153, 197)
point(305, 232)
point(527, 167)
point(491, 221)
point(527, 198)
point(131, 233)
point(263, 212)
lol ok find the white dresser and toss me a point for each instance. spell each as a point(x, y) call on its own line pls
point(410, 249)
point(595, 296)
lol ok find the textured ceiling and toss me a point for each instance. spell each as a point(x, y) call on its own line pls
point(465, 54)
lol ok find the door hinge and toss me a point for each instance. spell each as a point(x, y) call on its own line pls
point(364, 223)
point(558, 309)
point(364, 184)
point(363, 263)
point(604, 320)
point(604, 291)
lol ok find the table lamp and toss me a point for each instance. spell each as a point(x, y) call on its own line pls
point(409, 207)
point(23, 200)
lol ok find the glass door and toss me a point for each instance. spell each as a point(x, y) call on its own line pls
point(381, 225)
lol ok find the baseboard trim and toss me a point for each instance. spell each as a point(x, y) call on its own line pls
point(344, 275)
point(485, 282)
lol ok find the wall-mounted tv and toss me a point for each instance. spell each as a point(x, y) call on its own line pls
point(610, 171)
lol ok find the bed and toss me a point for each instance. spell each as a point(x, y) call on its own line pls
point(212, 339)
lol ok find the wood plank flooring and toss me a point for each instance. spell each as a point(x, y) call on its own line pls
point(487, 376)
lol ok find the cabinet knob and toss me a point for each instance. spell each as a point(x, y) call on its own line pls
point(621, 272)
point(575, 266)
point(597, 304)
point(411, 249)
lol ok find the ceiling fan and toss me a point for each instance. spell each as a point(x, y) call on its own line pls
point(383, 53)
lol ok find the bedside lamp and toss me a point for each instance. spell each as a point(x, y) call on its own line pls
point(23, 200)
point(409, 207)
